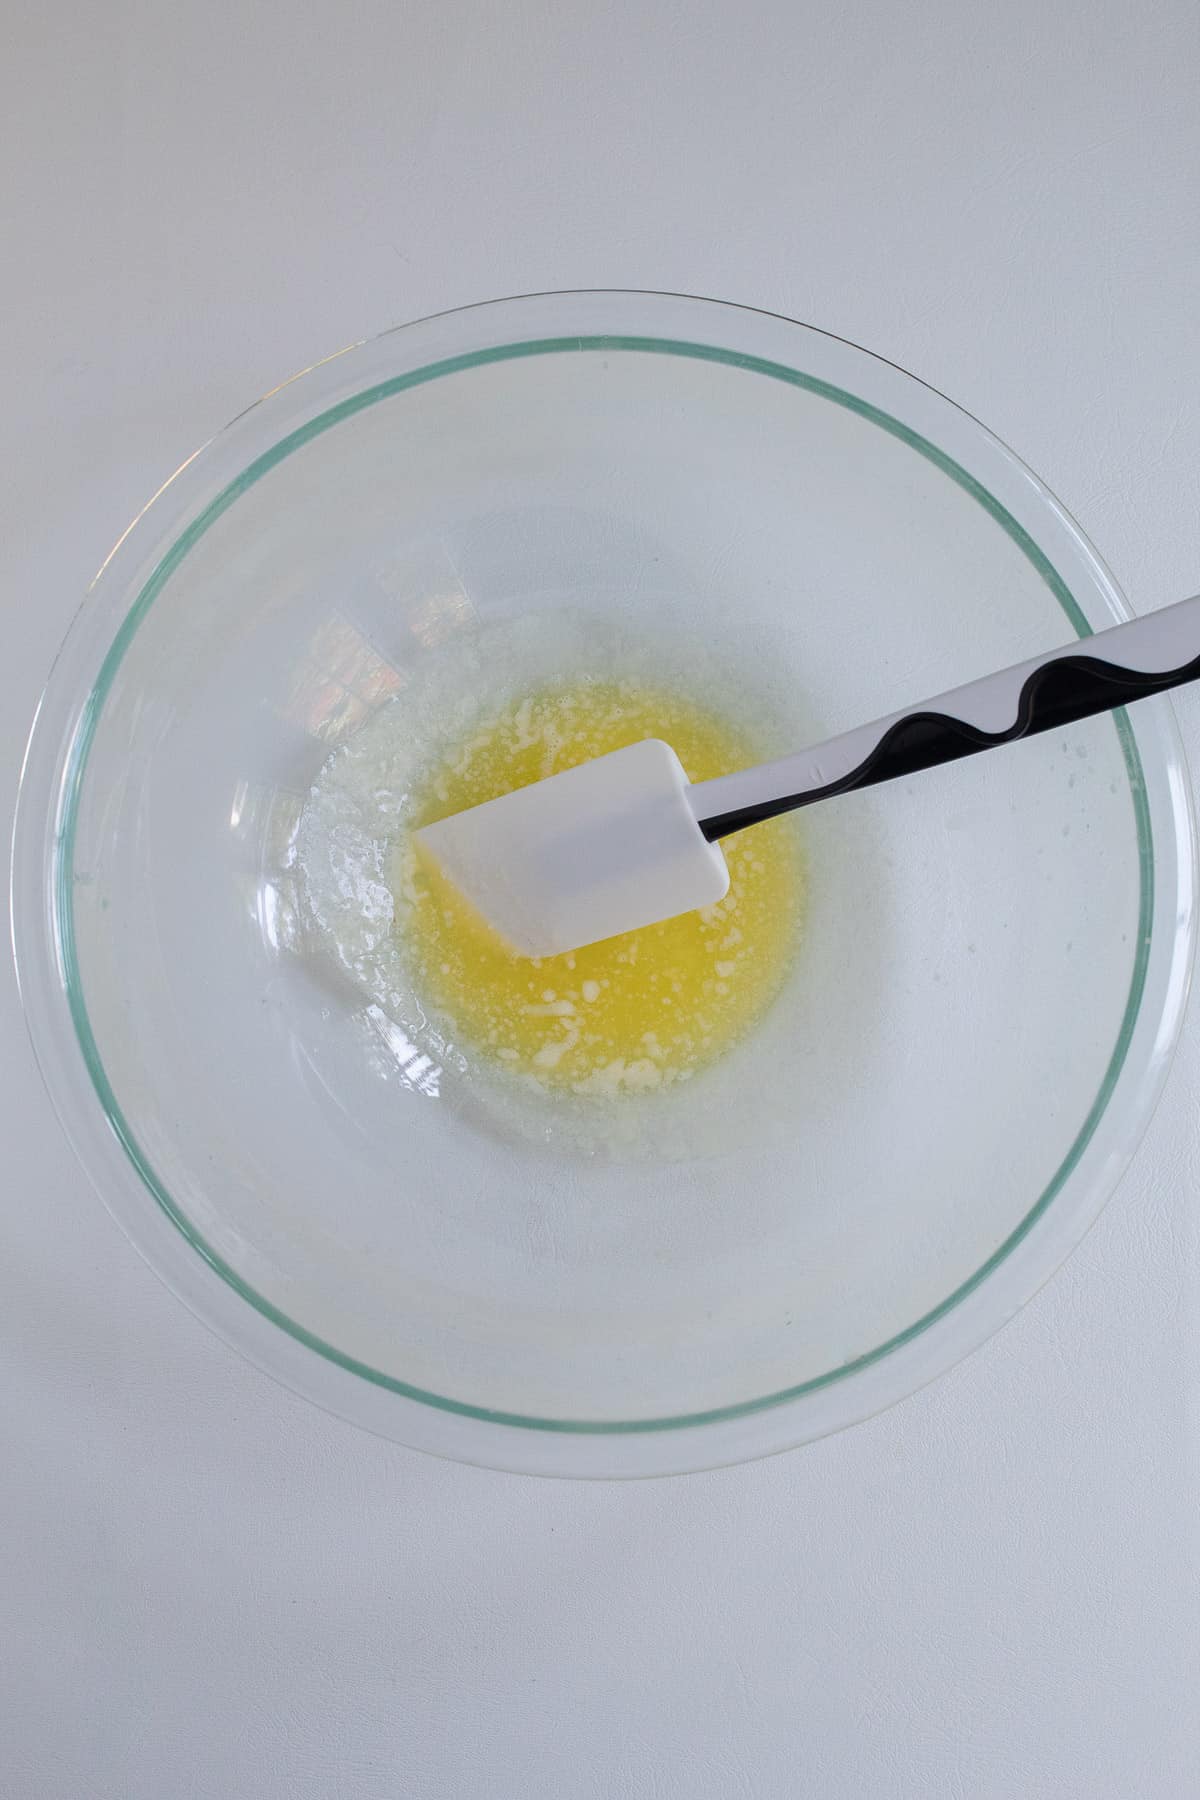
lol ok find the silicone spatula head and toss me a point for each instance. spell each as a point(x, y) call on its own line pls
point(600, 849)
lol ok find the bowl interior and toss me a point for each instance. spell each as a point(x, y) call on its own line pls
point(974, 946)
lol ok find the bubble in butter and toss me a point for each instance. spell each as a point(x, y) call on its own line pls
point(636, 1013)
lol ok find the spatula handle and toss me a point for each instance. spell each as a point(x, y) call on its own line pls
point(1097, 674)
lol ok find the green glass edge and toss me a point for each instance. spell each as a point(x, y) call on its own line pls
point(85, 732)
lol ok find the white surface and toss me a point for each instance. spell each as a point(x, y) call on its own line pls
point(211, 1590)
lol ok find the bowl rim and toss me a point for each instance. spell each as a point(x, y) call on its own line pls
point(52, 992)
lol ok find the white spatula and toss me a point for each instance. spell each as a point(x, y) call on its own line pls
point(626, 840)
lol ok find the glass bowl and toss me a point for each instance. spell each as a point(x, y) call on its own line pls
point(994, 960)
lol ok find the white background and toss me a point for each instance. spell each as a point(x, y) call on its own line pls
point(209, 1589)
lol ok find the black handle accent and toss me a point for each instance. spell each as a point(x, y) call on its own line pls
point(1057, 693)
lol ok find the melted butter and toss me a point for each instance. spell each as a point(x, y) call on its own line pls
point(637, 1012)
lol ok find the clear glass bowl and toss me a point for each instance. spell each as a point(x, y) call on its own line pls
point(995, 957)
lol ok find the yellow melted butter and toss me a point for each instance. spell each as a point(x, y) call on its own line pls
point(637, 1012)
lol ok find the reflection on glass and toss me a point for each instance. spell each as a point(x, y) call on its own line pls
point(416, 1069)
point(267, 818)
point(426, 593)
point(277, 915)
point(436, 617)
point(339, 682)
point(264, 821)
